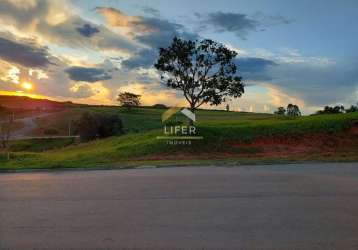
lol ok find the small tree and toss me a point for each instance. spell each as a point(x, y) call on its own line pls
point(87, 127)
point(93, 125)
point(293, 110)
point(280, 111)
point(128, 99)
point(332, 110)
point(204, 71)
point(352, 109)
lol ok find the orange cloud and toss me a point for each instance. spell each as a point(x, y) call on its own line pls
point(151, 95)
point(117, 18)
point(279, 98)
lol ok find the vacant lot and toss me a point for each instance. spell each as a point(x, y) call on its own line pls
point(229, 137)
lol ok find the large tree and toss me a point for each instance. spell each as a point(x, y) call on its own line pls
point(204, 71)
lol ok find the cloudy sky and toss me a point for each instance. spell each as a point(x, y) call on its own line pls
point(303, 52)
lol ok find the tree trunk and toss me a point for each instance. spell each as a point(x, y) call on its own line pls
point(191, 122)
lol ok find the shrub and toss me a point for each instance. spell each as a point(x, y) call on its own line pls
point(93, 125)
point(109, 125)
point(87, 127)
point(159, 106)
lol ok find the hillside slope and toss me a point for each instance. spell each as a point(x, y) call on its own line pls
point(27, 103)
point(229, 137)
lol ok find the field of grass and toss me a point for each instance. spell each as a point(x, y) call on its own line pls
point(140, 146)
point(40, 145)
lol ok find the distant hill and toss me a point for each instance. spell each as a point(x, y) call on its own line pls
point(27, 103)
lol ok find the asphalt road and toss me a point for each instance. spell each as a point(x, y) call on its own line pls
point(310, 206)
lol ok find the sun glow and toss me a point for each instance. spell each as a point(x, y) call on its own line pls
point(27, 86)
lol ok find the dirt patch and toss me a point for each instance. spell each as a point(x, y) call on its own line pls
point(294, 146)
point(354, 129)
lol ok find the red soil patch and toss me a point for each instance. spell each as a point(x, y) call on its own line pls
point(354, 129)
point(294, 146)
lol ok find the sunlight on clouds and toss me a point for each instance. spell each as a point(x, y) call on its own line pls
point(24, 4)
point(151, 94)
point(255, 99)
point(128, 24)
point(38, 74)
point(279, 98)
point(58, 13)
point(14, 75)
point(98, 94)
point(116, 17)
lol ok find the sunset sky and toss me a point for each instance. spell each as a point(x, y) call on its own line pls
point(302, 52)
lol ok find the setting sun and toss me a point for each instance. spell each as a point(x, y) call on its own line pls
point(27, 85)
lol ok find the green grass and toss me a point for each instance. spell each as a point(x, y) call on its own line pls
point(143, 125)
point(138, 120)
point(40, 145)
point(249, 128)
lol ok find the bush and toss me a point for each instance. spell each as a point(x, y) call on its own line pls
point(93, 125)
point(159, 106)
point(109, 125)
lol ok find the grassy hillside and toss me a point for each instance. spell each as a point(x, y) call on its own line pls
point(228, 136)
point(27, 103)
point(144, 118)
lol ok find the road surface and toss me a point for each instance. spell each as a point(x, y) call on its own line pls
point(310, 206)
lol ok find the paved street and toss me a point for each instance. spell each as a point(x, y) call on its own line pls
point(310, 206)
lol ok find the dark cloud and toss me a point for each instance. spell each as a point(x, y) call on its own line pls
point(26, 53)
point(25, 13)
point(150, 11)
point(161, 35)
point(72, 31)
point(88, 74)
point(161, 32)
point(317, 84)
point(254, 68)
point(143, 59)
point(83, 91)
point(238, 23)
point(153, 32)
point(87, 30)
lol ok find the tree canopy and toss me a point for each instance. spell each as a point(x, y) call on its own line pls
point(205, 71)
point(332, 110)
point(291, 110)
point(128, 99)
